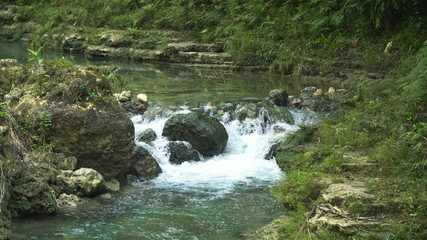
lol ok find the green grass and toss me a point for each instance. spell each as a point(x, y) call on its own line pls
point(387, 123)
point(272, 33)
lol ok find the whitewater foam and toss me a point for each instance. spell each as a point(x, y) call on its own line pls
point(241, 162)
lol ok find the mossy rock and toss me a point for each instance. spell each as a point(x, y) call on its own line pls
point(76, 114)
point(30, 193)
point(206, 134)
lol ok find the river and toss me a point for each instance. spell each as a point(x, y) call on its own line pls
point(221, 197)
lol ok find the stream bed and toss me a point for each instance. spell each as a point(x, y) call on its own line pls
point(222, 197)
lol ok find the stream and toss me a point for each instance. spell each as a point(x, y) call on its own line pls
point(221, 197)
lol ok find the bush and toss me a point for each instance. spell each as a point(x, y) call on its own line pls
point(297, 187)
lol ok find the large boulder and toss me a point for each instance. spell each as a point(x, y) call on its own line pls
point(99, 137)
point(77, 115)
point(205, 133)
point(30, 193)
point(83, 182)
point(144, 165)
point(181, 152)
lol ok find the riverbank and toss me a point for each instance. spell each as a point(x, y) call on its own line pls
point(376, 149)
point(311, 38)
point(361, 176)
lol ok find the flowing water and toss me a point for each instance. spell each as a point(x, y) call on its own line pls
point(221, 197)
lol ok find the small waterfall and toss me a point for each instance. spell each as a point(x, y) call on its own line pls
point(241, 162)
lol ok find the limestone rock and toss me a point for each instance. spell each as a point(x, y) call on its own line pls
point(94, 51)
point(206, 134)
point(348, 189)
point(127, 94)
point(143, 98)
point(334, 219)
point(30, 193)
point(124, 96)
point(99, 135)
point(82, 182)
point(8, 62)
point(318, 93)
point(61, 161)
point(182, 152)
point(99, 138)
point(144, 164)
point(69, 201)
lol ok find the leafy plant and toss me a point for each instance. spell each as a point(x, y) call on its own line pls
point(94, 97)
point(115, 78)
point(44, 128)
point(3, 107)
point(35, 56)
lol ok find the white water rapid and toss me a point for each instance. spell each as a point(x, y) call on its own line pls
point(241, 162)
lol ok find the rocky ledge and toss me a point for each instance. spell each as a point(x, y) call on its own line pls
point(63, 137)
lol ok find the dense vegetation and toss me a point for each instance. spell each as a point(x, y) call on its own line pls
point(257, 32)
point(386, 123)
point(386, 120)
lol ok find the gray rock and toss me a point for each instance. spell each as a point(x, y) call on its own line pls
point(153, 112)
point(276, 114)
point(181, 152)
point(134, 107)
point(14, 95)
point(308, 92)
point(206, 134)
point(61, 161)
point(243, 111)
point(271, 153)
point(147, 136)
point(144, 164)
point(227, 107)
point(8, 62)
point(279, 97)
point(294, 102)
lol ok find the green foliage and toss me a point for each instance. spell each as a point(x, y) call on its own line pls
point(44, 128)
point(34, 57)
point(11, 34)
point(387, 123)
point(115, 78)
point(3, 108)
point(94, 97)
point(298, 187)
point(259, 32)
